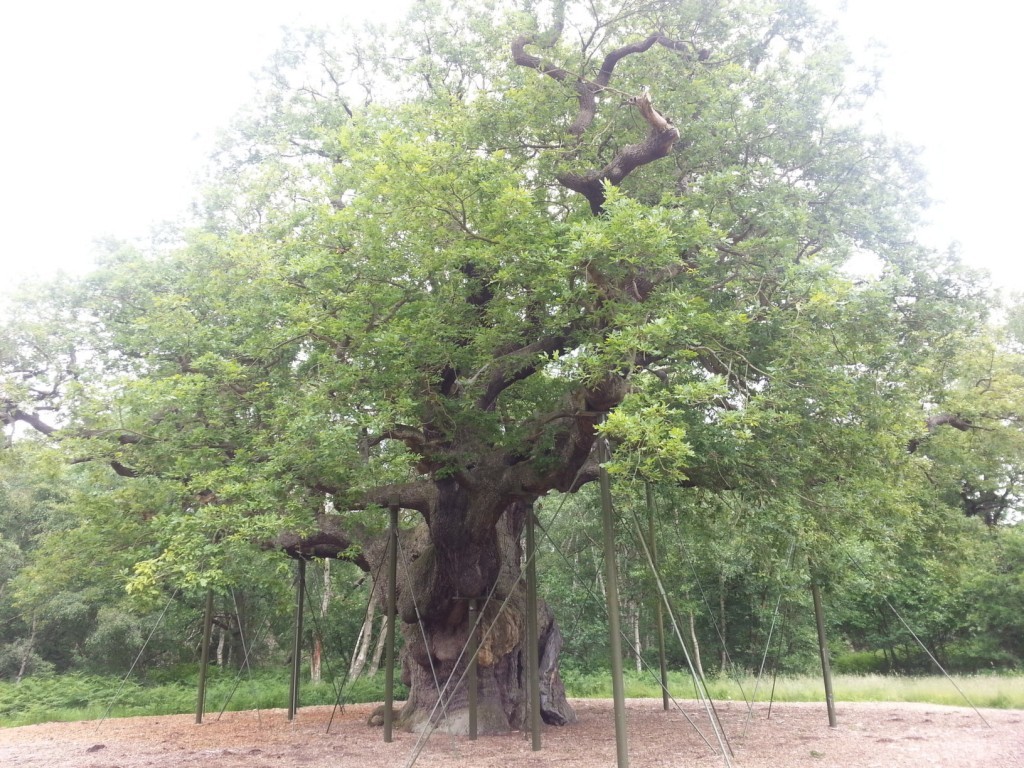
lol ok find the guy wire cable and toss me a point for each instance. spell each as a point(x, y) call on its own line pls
point(138, 656)
point(366, 611)
point(319, 631)
point(709, 706)
point(768, 642)
point(429, 728)
point(598, 600)
point(423, 631)
point(913, 634)
point(714, 623)
point(245, 662)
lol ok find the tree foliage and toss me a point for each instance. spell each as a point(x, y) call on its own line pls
point(435, 264)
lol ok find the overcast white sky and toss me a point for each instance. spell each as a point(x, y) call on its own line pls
point(110, 107)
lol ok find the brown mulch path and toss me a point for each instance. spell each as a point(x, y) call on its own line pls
point(797, 735)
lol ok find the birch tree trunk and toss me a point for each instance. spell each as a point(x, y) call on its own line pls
point(221, 643)
point(378, 651)
point(361, 654)
point(316, 659)
point(637, 645)
point(28, 651)
point(696, 648)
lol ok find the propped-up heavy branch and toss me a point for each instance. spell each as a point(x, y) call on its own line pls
point(333, 538)
point(661, 135)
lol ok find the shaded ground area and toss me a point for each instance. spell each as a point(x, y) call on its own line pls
point(868, 736)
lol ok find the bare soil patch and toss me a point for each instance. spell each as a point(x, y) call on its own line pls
point(796, 735)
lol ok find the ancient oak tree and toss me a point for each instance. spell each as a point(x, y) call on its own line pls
point(437, 262)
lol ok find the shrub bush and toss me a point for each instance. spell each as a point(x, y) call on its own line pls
point(860, 663)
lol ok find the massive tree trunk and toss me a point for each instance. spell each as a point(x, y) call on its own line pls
point(435, 577)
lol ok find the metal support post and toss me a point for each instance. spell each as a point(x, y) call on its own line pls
point(204, 656)
point(389, 641)
point(532, 640)
point(652, 543)
point(826, 668)
point(300, 597)
point(474, 647)
point(612, 597)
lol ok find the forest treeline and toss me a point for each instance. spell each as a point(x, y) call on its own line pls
point(740, 592)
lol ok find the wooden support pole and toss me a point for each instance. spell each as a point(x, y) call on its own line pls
point(826, 668)
point(612, 597)
point(300, 598)
point(474, 647)
point(389, 642)
point(532, 640)
point(652, 543)
point(204, 656)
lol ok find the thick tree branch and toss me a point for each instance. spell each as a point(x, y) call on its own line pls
point(661, 136)
point(12, 414)
point(419, 495)
point(562, 468)
point(413, 438)
point(942, 420)
point(333, 538)
point(518, 365)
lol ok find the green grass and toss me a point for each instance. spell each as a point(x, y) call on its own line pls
point(88, 697)
point(996, 691)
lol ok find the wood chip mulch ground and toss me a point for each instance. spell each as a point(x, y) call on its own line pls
point(796, 735)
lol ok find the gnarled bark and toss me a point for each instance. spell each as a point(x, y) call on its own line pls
point(435, 627)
